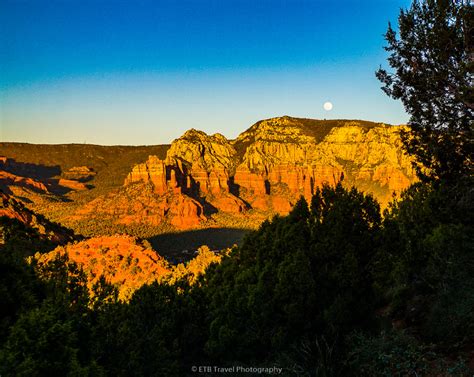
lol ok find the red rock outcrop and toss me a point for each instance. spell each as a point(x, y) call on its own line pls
point(13, 209)
point(280, 159)
point(139, 203)
point(8, 179)
point(229, 203)
point(295, 156)
point(185, 212)
point(153, 170)
point(72, 184)
point(121, 259)
point(252, 182)
point(267, 168)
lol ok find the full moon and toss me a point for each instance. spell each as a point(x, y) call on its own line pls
point(327, 106)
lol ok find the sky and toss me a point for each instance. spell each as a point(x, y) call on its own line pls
point(143, 72)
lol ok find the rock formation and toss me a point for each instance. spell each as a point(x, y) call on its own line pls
point(71, 184)
point(267, 168)
point(12, 182)
point(79, 173)
point(304, 154)
point(8, 180)
point(121, 259)
point(141, 204)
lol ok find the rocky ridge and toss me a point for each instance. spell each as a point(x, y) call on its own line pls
point(14, 180)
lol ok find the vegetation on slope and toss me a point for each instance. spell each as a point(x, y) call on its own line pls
point(16, 221)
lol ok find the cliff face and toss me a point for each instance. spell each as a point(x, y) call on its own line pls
point(140, 203)
point(283, 151)
point(267, 168)
point(202, 151)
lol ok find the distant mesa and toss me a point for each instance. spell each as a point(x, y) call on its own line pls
point(79, 173)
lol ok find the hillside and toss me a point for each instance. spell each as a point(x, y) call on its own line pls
point(125, 263)
point(17, 222)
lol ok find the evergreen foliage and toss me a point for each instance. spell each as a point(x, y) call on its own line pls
point(433, 65)
point(311, 292)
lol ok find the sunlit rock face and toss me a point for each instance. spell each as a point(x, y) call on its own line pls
point(208, 152)
point(304, 154)
point(139, 203)
point(14, 179)
point(8, 179)
point(153, 170)
point(267, 168)
point(123, 260)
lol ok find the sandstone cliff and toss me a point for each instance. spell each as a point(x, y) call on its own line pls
point(303, 156)
point(266, 169)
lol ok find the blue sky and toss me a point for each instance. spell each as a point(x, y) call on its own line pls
point(143, 72)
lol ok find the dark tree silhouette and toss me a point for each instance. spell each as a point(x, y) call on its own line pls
point(433, 63)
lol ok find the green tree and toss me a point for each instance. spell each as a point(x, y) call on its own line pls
point(20, 289)
point(54, 337)
point(160, 332)
point(425, 265)
point(433, 65)
point(46, 342)
point(298, 285)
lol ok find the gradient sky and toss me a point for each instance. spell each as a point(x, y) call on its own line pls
point(143, 72)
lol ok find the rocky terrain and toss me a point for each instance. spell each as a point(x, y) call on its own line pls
point(209, 181)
